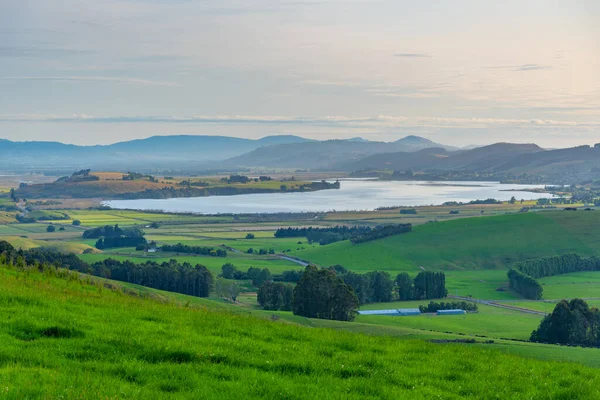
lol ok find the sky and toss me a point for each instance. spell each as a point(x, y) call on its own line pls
point(459, 72)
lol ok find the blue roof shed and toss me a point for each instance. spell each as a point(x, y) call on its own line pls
point(451, 312)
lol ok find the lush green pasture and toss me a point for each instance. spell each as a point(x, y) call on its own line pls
point(468, 244)
point(568, 286)
point(61, 339)
point(482, 284)
point(492, 322)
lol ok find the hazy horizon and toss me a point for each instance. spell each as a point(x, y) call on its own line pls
point(460, 73)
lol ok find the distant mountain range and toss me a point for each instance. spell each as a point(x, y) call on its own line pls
point(184, 152)
point(330, 154)
point(199, 154)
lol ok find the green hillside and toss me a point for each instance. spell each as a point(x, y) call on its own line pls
point(65, 338)
point(469, 244)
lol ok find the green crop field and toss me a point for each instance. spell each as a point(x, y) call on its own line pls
point(67, 339)
point(468, 244)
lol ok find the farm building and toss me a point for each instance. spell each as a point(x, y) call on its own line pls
point(394, 313)
point(451, 312)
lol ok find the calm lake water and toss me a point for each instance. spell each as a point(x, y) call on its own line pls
point(353, 195)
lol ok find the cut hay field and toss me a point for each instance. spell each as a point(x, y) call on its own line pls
point(56, 342)
point(469, 244)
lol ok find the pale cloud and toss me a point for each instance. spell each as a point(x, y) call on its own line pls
point(448, 68)
point(120, 80)
point(379, 121)
point(413, 55)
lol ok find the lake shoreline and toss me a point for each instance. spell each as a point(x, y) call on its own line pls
point(352, 196)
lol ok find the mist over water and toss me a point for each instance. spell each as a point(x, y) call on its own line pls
point(353, 195)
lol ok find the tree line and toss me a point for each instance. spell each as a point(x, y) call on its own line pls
point(371, 287)
point(426, 285)
point(571, 323)
point(258, 276)
point(323, 236)
point(522, 276)
point(111, 231)
point(170, 276)
point(524, 284)
point(186, 249)
point(120, 241)
point(381, 232)
point(454, 305)
point(558, 265)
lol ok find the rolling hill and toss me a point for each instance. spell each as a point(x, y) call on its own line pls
point(67, 336)
point(468, 244)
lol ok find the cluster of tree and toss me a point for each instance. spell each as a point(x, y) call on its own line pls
point(256, 275)
point(571, 323)
point(111, 231)
point(426, 285)
point(429, 285)
point(79, 176)
point(524, 284)
point(372, 287)
point(227, 289)
point(378, 286)
point(522, 277)
point(323, 236)
point(276, 296)
point(120, 241)
point(381, 232)
point(236, 179)
point(24, 219)
point(305, 232)
point(320, 293)
point(558, 265)
point(454, 305)
point(472, 202)
point(134, 176)
point(189, 182)
point(260, 251)
point(171, 276)
point(288, 276)
point(408, 211)
point(200, 250)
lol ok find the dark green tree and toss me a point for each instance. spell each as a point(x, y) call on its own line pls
point(322, 294)
point(404, 286)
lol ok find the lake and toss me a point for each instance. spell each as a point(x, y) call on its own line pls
point(353, 195)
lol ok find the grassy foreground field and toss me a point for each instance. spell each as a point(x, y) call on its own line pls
point(469, 244)
point(68, 339)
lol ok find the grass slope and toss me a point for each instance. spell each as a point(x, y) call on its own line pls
point(66, 339)
point(469, 244)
